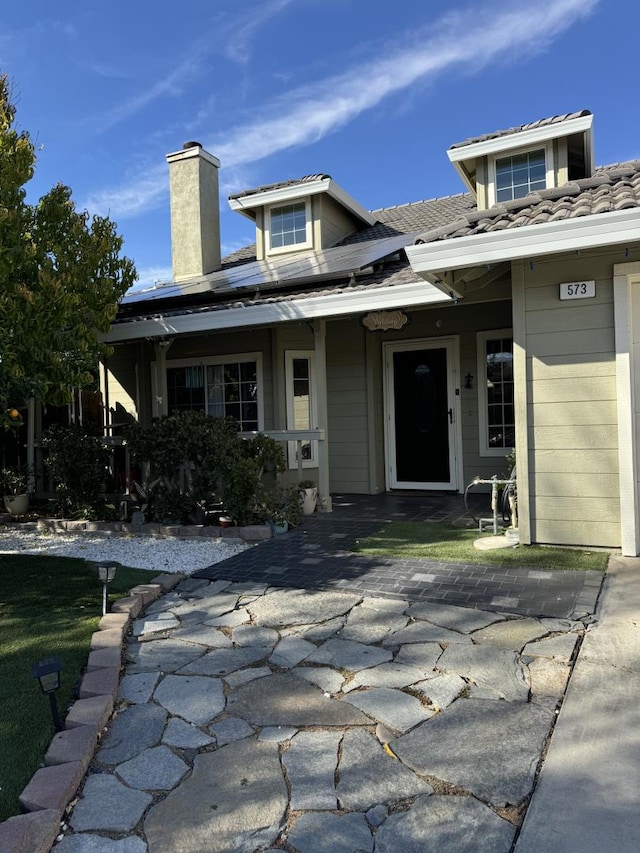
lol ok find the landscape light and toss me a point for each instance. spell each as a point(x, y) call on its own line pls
point(47, 672)
point(106, 573)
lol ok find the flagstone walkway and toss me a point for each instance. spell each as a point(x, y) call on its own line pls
point(255, 718)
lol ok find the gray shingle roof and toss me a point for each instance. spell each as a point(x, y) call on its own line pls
point(540, 123)
point(610, 188)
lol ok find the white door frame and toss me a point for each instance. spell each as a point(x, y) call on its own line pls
point(626, 300)
point(452, 346)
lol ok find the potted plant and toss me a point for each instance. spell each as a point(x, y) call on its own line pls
point(14, 486)
point(308, 496)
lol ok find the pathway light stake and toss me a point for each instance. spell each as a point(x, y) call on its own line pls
point(47, 672)
point(106, 573)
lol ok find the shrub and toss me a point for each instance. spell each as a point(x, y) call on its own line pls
point(78, 463)
point(192, 459)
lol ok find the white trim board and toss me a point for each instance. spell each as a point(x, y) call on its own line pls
point(531, 241)
point(340, 304)
point(520, 138)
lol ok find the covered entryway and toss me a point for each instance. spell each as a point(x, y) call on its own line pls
point(422, 414)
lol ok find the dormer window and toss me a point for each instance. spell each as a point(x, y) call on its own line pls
point(516, 173)
point(520, 174)
point(289, 227)
point(509, 164)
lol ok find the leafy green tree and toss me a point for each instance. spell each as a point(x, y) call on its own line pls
point(61, 276)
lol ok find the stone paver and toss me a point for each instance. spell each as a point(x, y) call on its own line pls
point(459, 747)
point(197, 699)
point(251, 720)
point(310, 763)
point(369, 775)
point(107, 804)
point(331, 833)
point(136, 728)
point(437, 824)
point(155, 769)
point(235, 794)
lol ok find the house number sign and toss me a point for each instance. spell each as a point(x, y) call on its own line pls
point(577, 289)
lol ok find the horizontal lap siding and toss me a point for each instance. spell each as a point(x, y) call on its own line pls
point(572, 406)
point(347, 408)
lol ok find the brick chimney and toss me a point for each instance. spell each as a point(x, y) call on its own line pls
point(195, 211)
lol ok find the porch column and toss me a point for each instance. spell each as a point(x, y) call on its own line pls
point(320, 339)
point(161, 404)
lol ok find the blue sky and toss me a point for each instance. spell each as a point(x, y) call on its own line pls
point(371, 92)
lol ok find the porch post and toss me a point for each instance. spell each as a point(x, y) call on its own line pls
point(320, 339)
point(162, 404)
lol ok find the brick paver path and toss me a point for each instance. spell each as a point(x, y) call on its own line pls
point(316, 555)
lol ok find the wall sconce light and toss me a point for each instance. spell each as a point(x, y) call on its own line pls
point(47, 672)
point(468, 381)
point(106, 573)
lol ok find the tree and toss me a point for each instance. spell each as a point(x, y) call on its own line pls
point(61, 276)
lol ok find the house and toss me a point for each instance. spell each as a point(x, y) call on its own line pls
point(412, 348)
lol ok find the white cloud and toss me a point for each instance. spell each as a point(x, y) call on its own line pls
point(237, 47)
point(149, 276)
point(307, 114)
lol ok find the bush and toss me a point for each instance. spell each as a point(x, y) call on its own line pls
point(78, 463)
point(193, 459)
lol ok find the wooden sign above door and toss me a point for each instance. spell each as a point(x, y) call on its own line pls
point(383, 321)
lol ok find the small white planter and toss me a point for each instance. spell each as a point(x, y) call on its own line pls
point(309, 499)
point(17, 504)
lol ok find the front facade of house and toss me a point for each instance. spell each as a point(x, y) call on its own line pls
point(413, 348)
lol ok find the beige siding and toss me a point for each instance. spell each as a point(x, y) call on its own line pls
point(348, 409)
point(122, 392)
point(335, 222)
point(572, 409)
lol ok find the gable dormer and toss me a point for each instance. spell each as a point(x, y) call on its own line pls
point(509, 164)
point(310, 213)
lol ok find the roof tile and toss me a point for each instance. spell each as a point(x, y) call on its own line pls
point(540, 123)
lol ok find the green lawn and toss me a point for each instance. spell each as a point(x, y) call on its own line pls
point(49, 606)
point(440, 542)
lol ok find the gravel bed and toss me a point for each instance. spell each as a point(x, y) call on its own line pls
point(141, 552)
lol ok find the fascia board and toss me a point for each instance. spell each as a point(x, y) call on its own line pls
point(521, 138)
point(310, 308)
point(547, 238)
point(280, 194)
point(296, 191)
point(347, 201)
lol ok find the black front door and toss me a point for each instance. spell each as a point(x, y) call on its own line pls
point(421, 418)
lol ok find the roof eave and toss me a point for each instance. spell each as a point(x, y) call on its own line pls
point(248, 204)
point(522, 138)
point(339, 304)
point(428, 260)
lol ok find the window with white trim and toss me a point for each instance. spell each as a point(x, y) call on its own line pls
point(226, 387)
point(300, 368)
point(514, 174)
point(288, 227)
point(496, 410)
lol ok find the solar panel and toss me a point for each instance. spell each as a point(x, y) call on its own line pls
point(291, 269)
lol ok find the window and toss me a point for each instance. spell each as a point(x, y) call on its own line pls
point(520, 174)
point(226, 387)
point(496, 412)
point(301, 403)
point(289, 227)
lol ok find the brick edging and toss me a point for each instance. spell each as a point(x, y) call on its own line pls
point(53, 786)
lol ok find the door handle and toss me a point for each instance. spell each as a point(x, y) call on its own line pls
point(450, 416)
